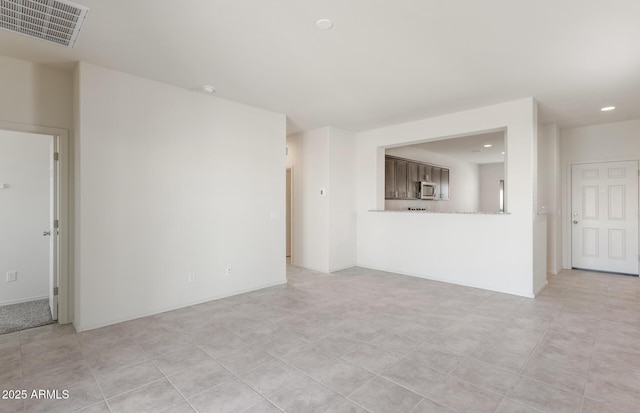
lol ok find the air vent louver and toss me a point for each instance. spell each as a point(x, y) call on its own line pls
point(57, 21)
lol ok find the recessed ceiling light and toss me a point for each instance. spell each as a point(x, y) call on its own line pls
point(324, 24)
point(503, 153)
point(208, 89)
point(488, 145)
point(607, 108)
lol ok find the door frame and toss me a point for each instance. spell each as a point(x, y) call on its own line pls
point(567, 241)
point(291, 206)
point(61, 140)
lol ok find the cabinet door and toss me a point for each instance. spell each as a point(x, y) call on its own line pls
point(401, 179)
point(435, 178)
point(424, 173)
point(444, 184)
point(389, 178)
point(412, 180)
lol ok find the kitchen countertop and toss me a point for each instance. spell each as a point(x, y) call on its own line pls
point(423, 211)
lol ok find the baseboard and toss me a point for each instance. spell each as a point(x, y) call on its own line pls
point(456, 282)
point(542, 287)
point(341, 268)
point(80, 328)
point(23, 300)
point(307, 267)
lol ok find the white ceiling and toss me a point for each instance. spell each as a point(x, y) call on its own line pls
point(384, 62)
point(469, 148)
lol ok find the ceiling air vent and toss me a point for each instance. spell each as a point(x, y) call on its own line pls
point(57, 21)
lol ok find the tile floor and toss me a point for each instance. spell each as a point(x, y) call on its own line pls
point(355, 341)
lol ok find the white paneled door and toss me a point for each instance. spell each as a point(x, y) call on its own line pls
point(604, 216)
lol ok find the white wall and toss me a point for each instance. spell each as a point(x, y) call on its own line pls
point(342, 200)
point(35, 94)
point(171, 182)
point(495, 252)
point(490, 176)
point(463, 182)
point(24, 215)
point(549, 192)
point(606, 142)
point(540, 253)
point(324, 227)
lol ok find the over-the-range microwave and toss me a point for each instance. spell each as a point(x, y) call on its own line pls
point(428, 190)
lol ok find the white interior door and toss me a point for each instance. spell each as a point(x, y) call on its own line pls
point(53, 230)
point(604, 203)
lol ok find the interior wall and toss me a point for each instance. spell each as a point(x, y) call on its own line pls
point(490, 251)
point(35, 94)
point(549, 192)
point(324, 197)
point(490, 175)
point(172, 183)
point(24, 197)
point(607, 142)
point(342, 200)
point(540, 253)
point(463, 182)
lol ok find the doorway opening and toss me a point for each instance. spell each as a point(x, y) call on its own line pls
point(33, 227)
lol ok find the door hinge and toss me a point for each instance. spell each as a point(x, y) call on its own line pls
point(56, 223)
point(56, 156)
point(55, 291)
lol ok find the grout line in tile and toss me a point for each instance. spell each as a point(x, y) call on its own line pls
point(249, 385)
point(364, 384)
point(131, 390)
point(182, 394)
point(524, 405)
point(104, 398)
point(90, 406)
point(313, 379)
point(446, 376)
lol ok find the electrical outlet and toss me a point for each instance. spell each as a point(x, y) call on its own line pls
point(228, 271)
point(12, 276)
point(191, 277)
